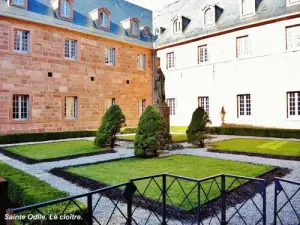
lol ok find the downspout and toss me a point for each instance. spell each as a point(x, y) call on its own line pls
point(153, 72)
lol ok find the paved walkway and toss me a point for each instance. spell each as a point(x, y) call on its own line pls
point(41, 171)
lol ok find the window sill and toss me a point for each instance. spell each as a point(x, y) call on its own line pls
point(244, 57)
point(291, 119)
point(292, 50)
point(107, 64)
point(70, 119)
point(21, 52)
point(20, 121)
point(70, 59)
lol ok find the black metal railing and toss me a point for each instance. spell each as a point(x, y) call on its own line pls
point(287, 202)
point(163, 199)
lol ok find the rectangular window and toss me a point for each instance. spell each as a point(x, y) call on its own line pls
point(110, 56)
point(141, 106)
point(109, 102)
point(244, 105)
point(21, 41)
point(203, 102)
point(171, 104)
point(242, 47)
point(170, 60)
point(70, 107)
point(71, 49)
point(293, 104)
point(20, 107)
point(141, 62)
point(293, 38)
point(203, 54)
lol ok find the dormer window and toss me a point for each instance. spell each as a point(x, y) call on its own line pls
point(177, 27)
point(248, 7)
point(208, 17)
point(292, 2)
point(101, 17)
point(19, 3)
point(134, 28)
point(65, 9)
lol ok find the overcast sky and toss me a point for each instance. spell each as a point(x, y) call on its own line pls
point(151, 4)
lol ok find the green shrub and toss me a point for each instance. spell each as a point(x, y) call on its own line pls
point(256, 132)
point(152, 134)
point(111, 124)
point(32, 137)
point(129, 130)
point(25, 189)
point(196, 130)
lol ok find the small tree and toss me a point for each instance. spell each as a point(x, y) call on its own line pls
point(111, 124)
point(152, 134)
point(196, 130)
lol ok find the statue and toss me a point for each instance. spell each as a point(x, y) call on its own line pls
point(159, 87)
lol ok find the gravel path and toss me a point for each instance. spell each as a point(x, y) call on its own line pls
point(103, 212)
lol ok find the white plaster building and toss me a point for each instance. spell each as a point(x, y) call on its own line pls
point(240, 54)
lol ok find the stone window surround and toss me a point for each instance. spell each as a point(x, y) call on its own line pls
point(103, 10)
point(133, 19)
point(25, 6)
point(104, 52)
point(12, 40)
point(30, 103)
point(71, 9)
point(145, 61)
point(77, 107)
point(71, 37)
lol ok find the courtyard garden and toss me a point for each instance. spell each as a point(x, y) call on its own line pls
point(275, 148)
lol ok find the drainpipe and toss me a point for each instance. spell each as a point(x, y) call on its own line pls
point(153, 72)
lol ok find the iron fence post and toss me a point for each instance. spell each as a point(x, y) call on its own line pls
point(199, 204)
point(264, 195)
point(275, 201)
point(90, 209)
point(164, 201)
point(223, 199)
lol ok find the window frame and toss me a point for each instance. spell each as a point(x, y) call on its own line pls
point(293, 3)
point(199, 54)
point(107, 13)
point(137, 22)
point(70, 40)
point(297, 105)
point(172, 106)
point(245, 107)
point(142, 105)
point(213, 19)
point(177, 26)
point(253, 9)
point(70, 17)
point(238, 56)
point(28, 109)
point(28, 51)
point(168, 61)
point(141, 62)
point(76, 107)
point(24, 5)
point(205, 102)
point(286, 37)
point(113, 62)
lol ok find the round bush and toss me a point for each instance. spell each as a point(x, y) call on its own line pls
point(111, 124)
point(152, 134)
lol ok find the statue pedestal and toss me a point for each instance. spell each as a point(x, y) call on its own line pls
point(164, 111)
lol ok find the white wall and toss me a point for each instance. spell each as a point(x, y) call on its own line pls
point(268, 74)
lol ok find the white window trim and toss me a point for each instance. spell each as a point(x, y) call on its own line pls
point(244, 96)
point(297, 104)
point(205, 103)
point(70, 41)
point(110, 54)
point(175, 106)
point(287, 39)
point(63, 8)
point(199, 54)
point(106, 17)
point(136, 31)
point(21, 41)
point(177, 26)
point(293, 3)
point(174, 61)
point(249, 14)
point(141, 62)
point(20, 108)
point(249, 53)
point(213, 11)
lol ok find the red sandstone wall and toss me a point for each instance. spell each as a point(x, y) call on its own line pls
point(28, 74)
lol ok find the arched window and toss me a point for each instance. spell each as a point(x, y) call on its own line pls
point(208, 17)
point(103, 19)
point(65, 8)
point(177, 26)
point(134, 28)
point(247, 7)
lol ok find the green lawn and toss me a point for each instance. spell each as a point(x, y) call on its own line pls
point(269, 147)
point(24, 189)
point(175, 137)
point(190, 166)
point(54, 150)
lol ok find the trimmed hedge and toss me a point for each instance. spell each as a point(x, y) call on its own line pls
point(129, 130)
point(25, 189)
point(47, 136)
point(256, 132)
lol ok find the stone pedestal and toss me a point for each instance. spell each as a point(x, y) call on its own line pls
point(164, 111)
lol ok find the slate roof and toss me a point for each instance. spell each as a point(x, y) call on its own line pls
point(230, 17)
point(41, 11)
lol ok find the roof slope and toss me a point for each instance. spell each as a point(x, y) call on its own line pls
point(41, 11)
point(230, 17)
